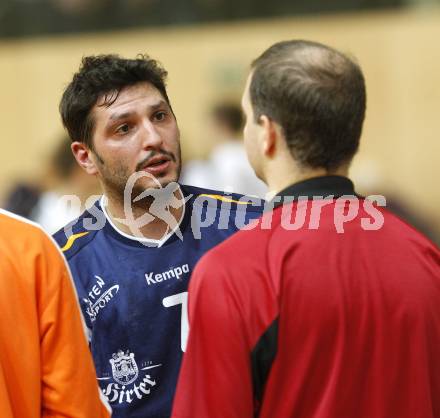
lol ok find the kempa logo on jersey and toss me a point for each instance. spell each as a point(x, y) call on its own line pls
point(172, 273)
point(99, 298)
point(125, 373)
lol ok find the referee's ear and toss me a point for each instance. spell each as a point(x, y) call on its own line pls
point(270, 135)
point(84, 157)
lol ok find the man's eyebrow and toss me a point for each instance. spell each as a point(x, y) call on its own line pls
point(159, 104)
point(118, 116)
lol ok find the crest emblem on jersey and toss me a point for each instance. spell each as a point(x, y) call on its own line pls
point(124, 367)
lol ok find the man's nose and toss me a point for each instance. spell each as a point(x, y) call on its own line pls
point(150, 135)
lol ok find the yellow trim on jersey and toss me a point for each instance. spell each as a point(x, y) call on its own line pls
point(225, 199)
point(71, 240)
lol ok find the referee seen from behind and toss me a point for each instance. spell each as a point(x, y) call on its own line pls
point(330, 307)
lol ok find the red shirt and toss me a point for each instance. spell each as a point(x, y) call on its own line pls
point(329, 319)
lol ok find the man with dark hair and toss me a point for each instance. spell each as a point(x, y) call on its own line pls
point(105, 74)
point(329, 307)
point(133, 252)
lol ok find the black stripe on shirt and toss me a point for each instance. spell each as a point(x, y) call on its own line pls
point(262, 357)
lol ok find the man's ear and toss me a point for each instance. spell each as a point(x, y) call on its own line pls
point(270, 136)
point(84, 157)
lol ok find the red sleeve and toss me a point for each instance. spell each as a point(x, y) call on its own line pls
point(215, 380)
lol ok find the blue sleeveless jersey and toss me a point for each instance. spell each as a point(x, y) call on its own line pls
point(134, 297)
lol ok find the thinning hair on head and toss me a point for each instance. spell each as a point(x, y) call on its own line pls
point(317, 96)
point(103, 77)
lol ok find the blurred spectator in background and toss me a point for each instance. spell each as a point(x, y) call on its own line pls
point(67, 188)
point(58, 196)
point(370, 180)
point(227, 168)
point(22, 199)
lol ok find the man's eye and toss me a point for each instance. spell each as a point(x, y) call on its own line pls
point(160, 116)
point(123, 129)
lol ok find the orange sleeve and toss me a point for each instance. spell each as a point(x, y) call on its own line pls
point(69, 387)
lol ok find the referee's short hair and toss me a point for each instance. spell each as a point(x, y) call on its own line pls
point(317, 95)
point(104, 76)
